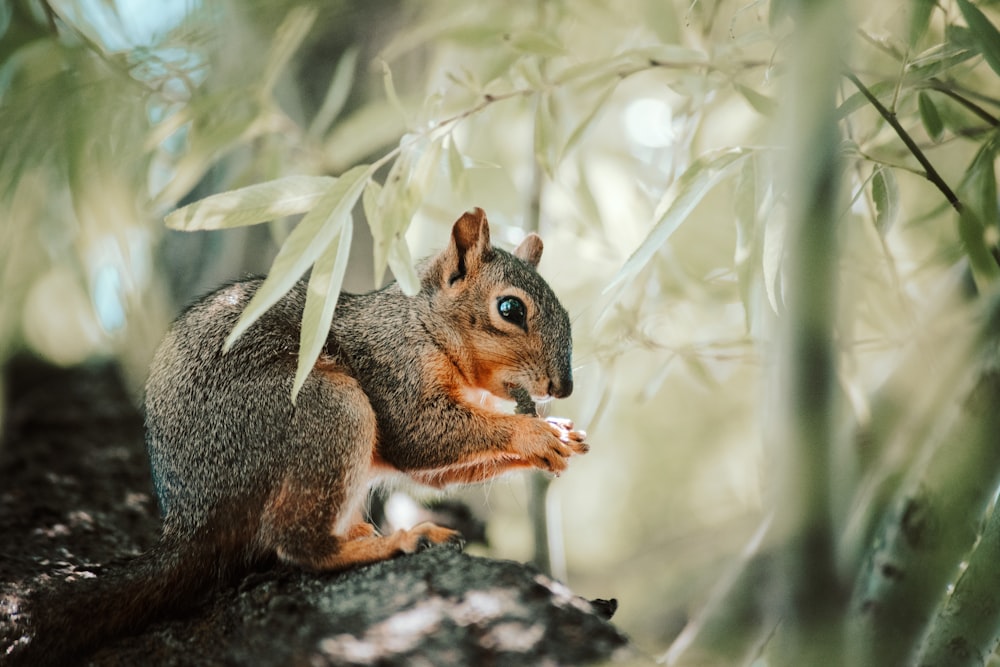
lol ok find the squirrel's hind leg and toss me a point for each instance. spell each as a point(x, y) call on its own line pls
point(311, 518)
point(301, 524)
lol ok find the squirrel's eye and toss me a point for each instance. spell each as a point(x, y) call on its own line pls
point(512, 309)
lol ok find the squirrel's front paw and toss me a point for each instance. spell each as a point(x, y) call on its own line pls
point(568, 434)
point(554, 441)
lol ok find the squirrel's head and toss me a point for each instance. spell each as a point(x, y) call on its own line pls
point(504, 325)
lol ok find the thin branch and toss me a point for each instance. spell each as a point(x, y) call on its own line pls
point(888, 163)
point(934, 83)
point(930, 172)
point(939, 86)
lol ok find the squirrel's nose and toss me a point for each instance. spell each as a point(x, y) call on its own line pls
point(561, 388)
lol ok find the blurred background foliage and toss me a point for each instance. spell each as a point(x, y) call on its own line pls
point(753, 210)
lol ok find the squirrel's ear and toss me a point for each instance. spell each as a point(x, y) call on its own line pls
point(470, 245)
point(530, 249)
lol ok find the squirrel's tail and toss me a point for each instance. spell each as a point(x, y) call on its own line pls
point(68, 622)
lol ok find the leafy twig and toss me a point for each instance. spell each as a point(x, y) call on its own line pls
point(939, 86)
point(930, 173)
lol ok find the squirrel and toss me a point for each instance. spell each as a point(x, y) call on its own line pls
point(404, 386)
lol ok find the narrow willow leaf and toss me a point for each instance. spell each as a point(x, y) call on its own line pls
point(306, 242)
point(920, 18)
point(885, 193)
point(388, 201)
point(428, 167)
point(973, 237)
point(958, 38)
point(596, 71)
point(985, 34)
point(528, 68)
point(929, 116)
point(538, 43)
point(287, 39)
point(761, 103)
point(251, 205)
point(577, 133)
point(698, 370)
point(857, 100)
point(937, 61)
point(456, 166)
point(401, 263)
point(336, 94)
point(771, 258)
point(745, 212)
point(321, 301)
point(678, 203)
point(390, 90)
point(370, 202)
point(544, 134)
point(672, 54)
point(745, 259)
point(979, 185)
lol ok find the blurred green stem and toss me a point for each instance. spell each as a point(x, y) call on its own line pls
point(808, 593)
point(546, 529)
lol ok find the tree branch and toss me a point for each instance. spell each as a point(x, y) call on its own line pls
point(929, 171)
point(939, 86)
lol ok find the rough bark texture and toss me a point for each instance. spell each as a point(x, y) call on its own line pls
point(75, 495)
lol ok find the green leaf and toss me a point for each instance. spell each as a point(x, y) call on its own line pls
point(761, 103)
point(678, 203)
point(304, 245)
point(979, 184)
point(885, 193)
point(370, 203)
point(386, 203)
point(577, 133)
point(929, 116)
point(920, 18)
point(390, 90)
point(336, 94)
point(287, 39)
point(772, 254)
point(401, 263)
point(973, 237)
point(938, 59)
point(251, 205)
point(321, 301)
point(390, 245)
point(537, 43)
point(747, 256)
point(528, 69)
point(858, 100)
point(456, 166)
point(378, 203)
point(985, 34)
point(545, 134)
